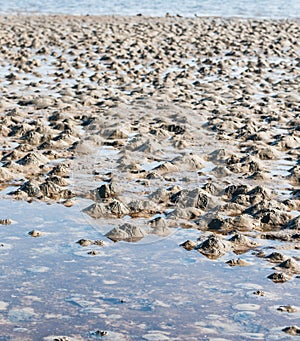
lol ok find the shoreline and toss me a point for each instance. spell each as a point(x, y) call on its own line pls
point(146, 17)
point(157, 126)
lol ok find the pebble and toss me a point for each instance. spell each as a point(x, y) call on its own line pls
point(126, 232)
point(237, 262)
point(287, 308)
point(188, 245)
point(279, 277)
point(292, 330)
point(35, 233)
point(87, 242)
point(5, 221)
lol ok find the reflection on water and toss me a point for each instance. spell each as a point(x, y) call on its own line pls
point(152, 290)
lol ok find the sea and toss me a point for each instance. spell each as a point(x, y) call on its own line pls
point(221, 8)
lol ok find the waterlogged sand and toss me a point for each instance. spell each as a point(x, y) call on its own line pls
point(168, 152)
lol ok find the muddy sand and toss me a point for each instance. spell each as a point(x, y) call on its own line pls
point(131, 143)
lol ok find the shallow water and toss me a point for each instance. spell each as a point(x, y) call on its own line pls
point(225, 8)
point(149, 290)
point(152, 290)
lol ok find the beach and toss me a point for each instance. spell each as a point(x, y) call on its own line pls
point(139, 152)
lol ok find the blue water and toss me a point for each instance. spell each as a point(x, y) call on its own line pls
point(224, 8)
point(150, 290)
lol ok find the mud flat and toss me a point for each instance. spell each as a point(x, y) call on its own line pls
point(178, 137)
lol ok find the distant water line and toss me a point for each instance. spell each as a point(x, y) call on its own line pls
point(221, 8)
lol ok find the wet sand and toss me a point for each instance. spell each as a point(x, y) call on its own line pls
point(181, 135)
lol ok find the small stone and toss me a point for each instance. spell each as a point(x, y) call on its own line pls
point(237, 262)
point(275, 257)
point(290, 265)
point(32, 188)
point(93, 253)
point(242, 243)
point(158, 222)
point(214, 247)
point(98, 242)
point(35, 233)
point(188, 245)
point(142, 208)
point(84, 242)
point(88, 242)
point(287, 308)
point(126, 232)
point(293, 330)
point(293, 224)
point(5, 221)
point(68, 203)
point(96, 210)
point(105, 191)
point(100, 333)
point(259, 254)
point(117, 208)
point(60, 170)
point(259, 293)
point(279, 277)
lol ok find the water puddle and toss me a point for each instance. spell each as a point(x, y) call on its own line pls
point(50, 285)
